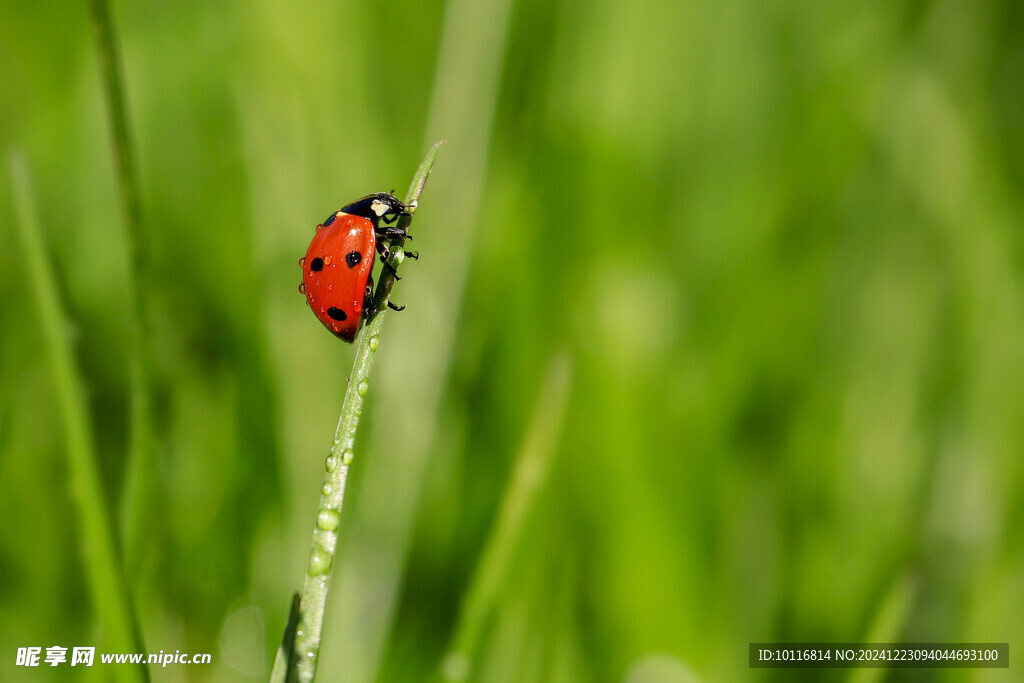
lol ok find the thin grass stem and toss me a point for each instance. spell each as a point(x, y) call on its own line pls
point(465, 95)
point(302, 662)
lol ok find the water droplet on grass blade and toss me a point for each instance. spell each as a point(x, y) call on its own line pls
point(319, 561)
point(328, 520)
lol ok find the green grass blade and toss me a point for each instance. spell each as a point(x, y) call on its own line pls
point(464, 98)
point(889, 622)
point(285, 669)
point(139, 463)
point(531, 472)
point(110, 595)
point(412, 198)
point(317, 583)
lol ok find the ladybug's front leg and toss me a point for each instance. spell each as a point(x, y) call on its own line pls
point(394, 217)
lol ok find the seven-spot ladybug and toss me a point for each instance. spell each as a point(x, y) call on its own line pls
point(337, 268)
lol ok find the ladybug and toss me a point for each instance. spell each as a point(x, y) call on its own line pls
point(337, 276)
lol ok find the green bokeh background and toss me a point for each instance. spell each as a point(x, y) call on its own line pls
point(777, 246)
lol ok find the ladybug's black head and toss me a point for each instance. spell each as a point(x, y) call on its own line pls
point(377, 206)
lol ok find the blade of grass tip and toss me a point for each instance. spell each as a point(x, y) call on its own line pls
point(889, 622)
point(110, 594)
point(139, 463)
point(412, 198)
point(531, 471)
point(317, 583)
point(466, 87)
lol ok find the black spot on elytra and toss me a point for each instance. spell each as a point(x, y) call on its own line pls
point(317, 264)
point(353, 258)
point(336, 313)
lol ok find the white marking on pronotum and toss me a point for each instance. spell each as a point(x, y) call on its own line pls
point(378, 207)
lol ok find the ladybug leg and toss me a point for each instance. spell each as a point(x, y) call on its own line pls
point(390, 218)
point(385, 254)
point(368, 310)
point(393, 233)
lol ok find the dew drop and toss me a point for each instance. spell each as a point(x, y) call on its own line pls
point(330, 287)
point(326, 489)
point(327, 260)
point(346, 456)
point(302, 288)
point(302, 262)
point(362, 387)
point(374, 341)
point(328, 520)
point(331, 463)
point(319, 561)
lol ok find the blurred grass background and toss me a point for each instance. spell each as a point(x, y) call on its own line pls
point(779, 246)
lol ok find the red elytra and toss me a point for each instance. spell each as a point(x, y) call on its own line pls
point(336, 273)
point(337, 268)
